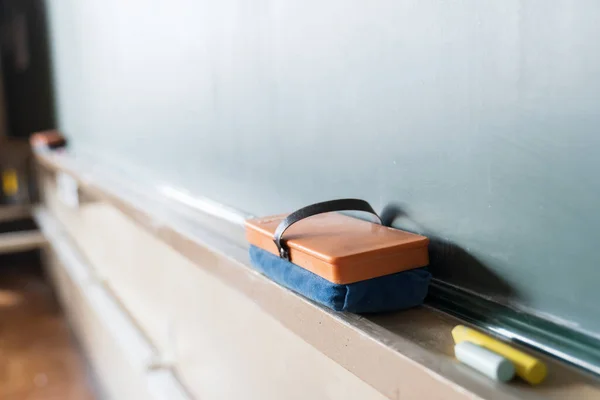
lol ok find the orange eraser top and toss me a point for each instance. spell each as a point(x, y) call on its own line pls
point(342, 249)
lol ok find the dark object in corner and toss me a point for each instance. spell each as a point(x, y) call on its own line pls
point(26, 75)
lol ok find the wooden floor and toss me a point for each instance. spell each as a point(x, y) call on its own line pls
point(38, 358)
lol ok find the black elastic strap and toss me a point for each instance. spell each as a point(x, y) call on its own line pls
point(314, 209)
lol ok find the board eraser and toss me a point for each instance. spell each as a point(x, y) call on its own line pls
point(51, 139)
point(485, 361)
point(527, 367)
point(341, 262)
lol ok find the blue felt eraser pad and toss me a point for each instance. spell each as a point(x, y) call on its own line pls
point(385, 293)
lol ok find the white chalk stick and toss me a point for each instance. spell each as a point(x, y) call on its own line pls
point(485, 361)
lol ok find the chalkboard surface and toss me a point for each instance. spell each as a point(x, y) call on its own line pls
point(478, 120)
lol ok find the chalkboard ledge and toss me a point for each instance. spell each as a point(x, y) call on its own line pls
point(402, 355)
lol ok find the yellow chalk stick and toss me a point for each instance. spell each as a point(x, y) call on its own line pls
point(527, 367)
point(10, 182)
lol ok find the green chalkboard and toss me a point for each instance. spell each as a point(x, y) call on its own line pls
point(478, 120)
